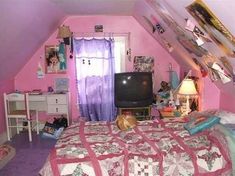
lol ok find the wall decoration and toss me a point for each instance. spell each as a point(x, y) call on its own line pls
point(143, 64)
point(227, 65)
point(203, 69)
point(164, 14)
point(219, 73)
point(216, 69)
point(157, 25)
point(160, 30)
point(61, 85)
point(62, 57)
point(190, 26)
point(151, 25)
point(168, 45)
point(211, 24)
point(191, 46)
point(209, 58)
point(99, 28)
point(55, 59)
point(40, 73)
point(187, 41)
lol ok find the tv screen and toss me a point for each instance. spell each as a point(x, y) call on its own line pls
point(133, 89)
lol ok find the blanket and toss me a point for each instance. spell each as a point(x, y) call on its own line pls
point(151, 148)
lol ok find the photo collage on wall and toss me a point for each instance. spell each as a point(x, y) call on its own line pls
point(144, 64)
point(218, 68)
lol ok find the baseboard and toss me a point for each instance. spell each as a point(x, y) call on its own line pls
point(3, 138)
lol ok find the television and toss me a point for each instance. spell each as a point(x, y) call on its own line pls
point(133, 89)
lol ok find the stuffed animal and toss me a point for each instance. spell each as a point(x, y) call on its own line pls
point(125, 122)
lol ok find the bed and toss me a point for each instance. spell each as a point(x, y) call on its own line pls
point(158, 147)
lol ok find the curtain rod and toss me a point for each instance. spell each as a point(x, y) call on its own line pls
point(100, 34)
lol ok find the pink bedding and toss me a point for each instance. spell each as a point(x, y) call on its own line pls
point(152, 148)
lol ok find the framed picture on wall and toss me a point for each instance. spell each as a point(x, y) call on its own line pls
point(55, 59)
point(61, 85)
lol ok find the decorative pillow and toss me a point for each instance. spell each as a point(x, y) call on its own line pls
point(197, 114)
point(226, 116)
point(201, 123)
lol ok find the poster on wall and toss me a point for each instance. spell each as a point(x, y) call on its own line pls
point(55, 58)
point(212, 25)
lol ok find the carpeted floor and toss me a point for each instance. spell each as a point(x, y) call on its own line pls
point(30, 156)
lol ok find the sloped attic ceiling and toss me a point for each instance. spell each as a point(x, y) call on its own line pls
point(214, 19)
point(26, 24)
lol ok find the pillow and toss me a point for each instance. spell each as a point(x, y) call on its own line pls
point(226, 117)
point(197, 114)
point(201, 123)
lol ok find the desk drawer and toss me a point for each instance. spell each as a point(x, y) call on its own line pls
point(57, 109)
point(37, 98)
point(56, 99)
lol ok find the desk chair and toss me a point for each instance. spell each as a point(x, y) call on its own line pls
point(20, 115)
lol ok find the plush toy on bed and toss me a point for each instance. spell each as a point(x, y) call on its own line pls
point(125, 122)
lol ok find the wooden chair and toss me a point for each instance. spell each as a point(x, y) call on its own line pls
point(15, 116)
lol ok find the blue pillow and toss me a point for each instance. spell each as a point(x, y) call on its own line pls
point(201, 123)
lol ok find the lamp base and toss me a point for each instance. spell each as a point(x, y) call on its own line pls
point(185, 107)
point(188, 110)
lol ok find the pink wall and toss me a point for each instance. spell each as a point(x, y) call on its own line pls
point(6, 86)
point(227, 102)
point(210, 95)
point(141, 44)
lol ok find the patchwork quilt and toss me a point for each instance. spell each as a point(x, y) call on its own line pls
point(152, 148)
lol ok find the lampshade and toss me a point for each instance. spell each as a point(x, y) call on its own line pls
point(187, 87)
point(64, 32)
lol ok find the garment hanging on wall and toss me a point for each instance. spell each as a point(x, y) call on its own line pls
point(174, 80)
point(62, 56)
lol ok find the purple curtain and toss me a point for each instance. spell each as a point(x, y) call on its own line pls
point(95, 78)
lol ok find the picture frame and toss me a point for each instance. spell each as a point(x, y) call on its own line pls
point(99, 28)
point(55, 60)
point(61, 85)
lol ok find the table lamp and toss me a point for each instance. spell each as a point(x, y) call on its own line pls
point(187, 89)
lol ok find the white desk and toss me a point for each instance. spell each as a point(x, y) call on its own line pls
point(52, 104)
